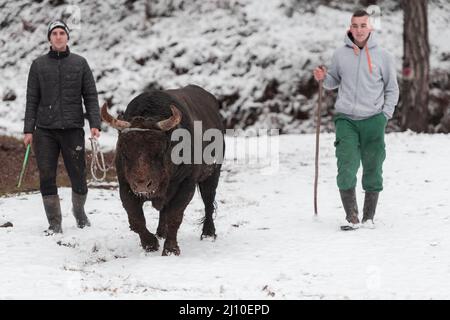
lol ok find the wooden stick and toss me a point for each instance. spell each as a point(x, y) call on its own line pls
point(316, 178)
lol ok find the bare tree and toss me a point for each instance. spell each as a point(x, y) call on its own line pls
point(416, 66)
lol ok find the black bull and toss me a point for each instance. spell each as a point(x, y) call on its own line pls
point(146, 171)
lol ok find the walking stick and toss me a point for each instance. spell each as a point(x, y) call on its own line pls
point(319, 105)
point(24, 165)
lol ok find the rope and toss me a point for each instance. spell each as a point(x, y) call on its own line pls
point(97, 163)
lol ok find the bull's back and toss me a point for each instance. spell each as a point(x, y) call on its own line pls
point(200, 105)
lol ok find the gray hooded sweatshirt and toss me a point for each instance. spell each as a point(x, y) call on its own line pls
point(366, 79)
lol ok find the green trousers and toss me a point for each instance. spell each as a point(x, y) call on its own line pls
point(360, 141)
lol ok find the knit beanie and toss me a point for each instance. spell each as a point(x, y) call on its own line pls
point(57, 24)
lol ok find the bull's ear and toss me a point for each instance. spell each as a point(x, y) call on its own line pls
point(170, 123)
point(110, 120)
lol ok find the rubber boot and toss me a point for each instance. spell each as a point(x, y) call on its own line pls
point(53, 211)
point(78, 201)
point(370, 205)
point(348, 198)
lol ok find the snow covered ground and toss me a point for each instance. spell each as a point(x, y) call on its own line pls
point(269, 245)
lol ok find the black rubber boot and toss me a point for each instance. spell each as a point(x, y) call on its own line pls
point(370, 205)
point(348, 198)
point(78, 201)
point(53, 211)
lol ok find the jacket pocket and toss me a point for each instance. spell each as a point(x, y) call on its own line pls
point(72, 76)
point(45, 115)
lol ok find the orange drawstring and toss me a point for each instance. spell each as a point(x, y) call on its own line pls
point(369, 60)
point(356, 50)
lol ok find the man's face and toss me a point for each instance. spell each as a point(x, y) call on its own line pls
point(360, 28)
point(58, 39)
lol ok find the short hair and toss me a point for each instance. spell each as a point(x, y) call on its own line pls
point(360, 13)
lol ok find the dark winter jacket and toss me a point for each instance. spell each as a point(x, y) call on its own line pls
point(56, 83)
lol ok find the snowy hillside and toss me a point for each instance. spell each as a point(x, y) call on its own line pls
point(255, 56)
point(269, 246)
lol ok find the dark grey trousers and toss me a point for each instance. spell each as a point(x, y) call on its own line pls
point(47, 145)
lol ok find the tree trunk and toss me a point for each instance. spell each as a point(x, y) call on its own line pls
point(416, 66)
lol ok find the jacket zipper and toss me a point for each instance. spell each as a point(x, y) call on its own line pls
point(60, 92)
point(357, 81)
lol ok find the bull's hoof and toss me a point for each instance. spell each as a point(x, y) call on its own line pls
point(208, 236)
point(150, 248)
point(209, 231)
point(150, 243)
point(171, 250)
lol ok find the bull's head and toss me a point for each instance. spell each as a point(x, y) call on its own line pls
point(143, 151)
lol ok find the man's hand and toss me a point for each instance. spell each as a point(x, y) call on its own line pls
point(28, 139)
point(95, 133)
point(320, 73)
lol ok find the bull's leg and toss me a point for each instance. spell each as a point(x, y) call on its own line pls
point(161, 231)
point(174, 215)
point(208, 193)
point(136, 218)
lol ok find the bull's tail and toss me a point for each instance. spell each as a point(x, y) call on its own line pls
point(201, 221)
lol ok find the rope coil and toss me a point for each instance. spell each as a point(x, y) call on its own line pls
point(97, 162)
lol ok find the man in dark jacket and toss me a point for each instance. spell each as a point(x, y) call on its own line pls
point(54, 121)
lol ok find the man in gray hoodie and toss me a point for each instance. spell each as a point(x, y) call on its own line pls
point(368, 92)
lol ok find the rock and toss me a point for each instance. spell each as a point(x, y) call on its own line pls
point(9, 95)
point(6, 225)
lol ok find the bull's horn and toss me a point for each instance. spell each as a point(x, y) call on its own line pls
point(168, 124)
point(113, 122)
